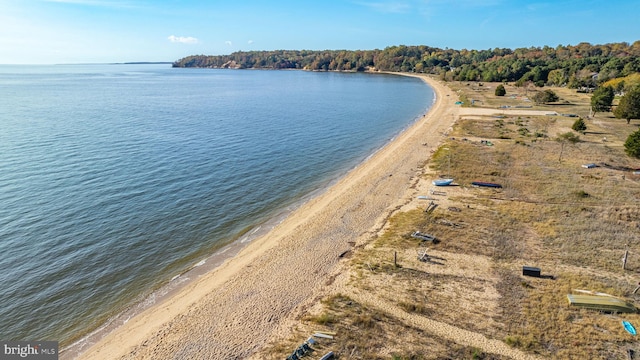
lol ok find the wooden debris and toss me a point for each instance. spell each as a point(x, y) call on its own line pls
point(327, 356)
point(423, 257)
point(423, 197)
point(325, 332)
point(422, 236)
point(449, 223)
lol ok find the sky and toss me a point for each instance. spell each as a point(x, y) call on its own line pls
point(107, 31)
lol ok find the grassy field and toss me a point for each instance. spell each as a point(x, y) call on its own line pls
point(572, 222)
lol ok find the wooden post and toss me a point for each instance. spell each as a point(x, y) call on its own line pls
point(624, 260)
point(395, 259)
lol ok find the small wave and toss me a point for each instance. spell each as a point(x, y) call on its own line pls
point(122, 188)
point(255, 230)
point(200, 263)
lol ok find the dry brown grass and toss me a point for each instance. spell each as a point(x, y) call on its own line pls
point(562, 216)
point(574, 223)
point(365, 333)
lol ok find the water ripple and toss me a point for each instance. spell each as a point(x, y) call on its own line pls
point(114, 179)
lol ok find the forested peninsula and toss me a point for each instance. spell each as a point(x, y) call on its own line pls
point(580, 66)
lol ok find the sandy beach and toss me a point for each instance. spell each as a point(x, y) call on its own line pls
point(233, 311)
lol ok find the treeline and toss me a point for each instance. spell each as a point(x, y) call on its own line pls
point(582, 65)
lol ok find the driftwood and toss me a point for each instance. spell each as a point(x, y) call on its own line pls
point(432, 206)
point(449, 223)
point(426, 258)
point(423, 257)
point(422, 236)
point(424, 197)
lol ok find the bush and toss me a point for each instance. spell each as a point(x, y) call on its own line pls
point(632, 145)
point(544, 97)
point(579, 126)
point(500, 91)
point(582, 194)
point(569, 137)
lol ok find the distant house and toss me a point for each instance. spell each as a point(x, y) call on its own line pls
point(585, 89)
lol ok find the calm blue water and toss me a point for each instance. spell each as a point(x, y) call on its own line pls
point(116, 178)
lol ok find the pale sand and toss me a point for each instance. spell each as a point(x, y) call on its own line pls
point(233, 311)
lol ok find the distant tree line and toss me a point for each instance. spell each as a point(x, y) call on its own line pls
point(582, 65)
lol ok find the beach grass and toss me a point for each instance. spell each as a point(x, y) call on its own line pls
point(572, 222)
point(362, 332)
point(346, 262)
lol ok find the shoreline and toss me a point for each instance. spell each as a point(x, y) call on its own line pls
point(219, 256)
point(266, 285)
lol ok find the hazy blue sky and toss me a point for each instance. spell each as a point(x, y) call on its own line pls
point(79, 31)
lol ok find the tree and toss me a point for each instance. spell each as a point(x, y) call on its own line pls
point(632, 145)
point(565, 138)
point(557, 77)
point(500, 91)
point(579, 126)
point(629, 106)
point(602, 99)
point(544, 97)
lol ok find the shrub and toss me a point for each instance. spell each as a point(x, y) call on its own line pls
point(579, 126)
point(582, 194)
point(545, 97)
point(632, 145)
point(500, 91)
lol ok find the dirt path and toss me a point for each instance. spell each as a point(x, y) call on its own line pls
point(484, 111)
point(441, 329)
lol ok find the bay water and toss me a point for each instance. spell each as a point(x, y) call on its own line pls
point(115, 179)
